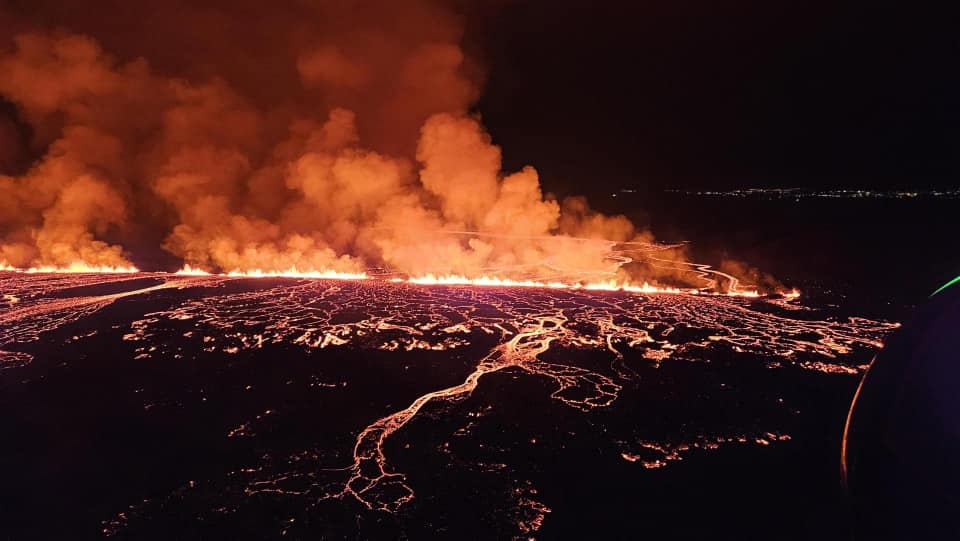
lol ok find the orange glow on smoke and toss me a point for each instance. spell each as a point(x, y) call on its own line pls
point(399, 177)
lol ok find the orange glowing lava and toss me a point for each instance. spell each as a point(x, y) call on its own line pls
point(589, 349)
point(427, 279)
point(603, 285)
point(792, 294)
point(610, 285)
point(292, 272)
point(76, 267)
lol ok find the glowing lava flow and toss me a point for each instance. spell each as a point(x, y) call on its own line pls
point(77, 267)
point(428, 279)
point(493, 281)
point(32, 314)
point(524, 324)
point(376, 487)
point(292, 272)
point(587, 347)
point(482, 281)
point(607, 285)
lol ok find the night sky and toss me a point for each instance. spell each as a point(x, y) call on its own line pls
point(699, 93)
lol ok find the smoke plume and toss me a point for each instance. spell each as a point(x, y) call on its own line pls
point(325, 136)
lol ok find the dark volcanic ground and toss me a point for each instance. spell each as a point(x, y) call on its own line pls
point(161, 407)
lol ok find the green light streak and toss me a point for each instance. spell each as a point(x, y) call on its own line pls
point(946, 285)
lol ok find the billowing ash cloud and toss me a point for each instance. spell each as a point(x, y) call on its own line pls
point(243, 136)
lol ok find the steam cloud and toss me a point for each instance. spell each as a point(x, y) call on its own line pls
point(243, 137)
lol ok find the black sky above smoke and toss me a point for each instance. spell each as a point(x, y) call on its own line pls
point(712, 94)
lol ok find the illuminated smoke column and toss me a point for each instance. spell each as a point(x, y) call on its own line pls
point(340, 143)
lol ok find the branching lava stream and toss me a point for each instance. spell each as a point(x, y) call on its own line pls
point(531, 331)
